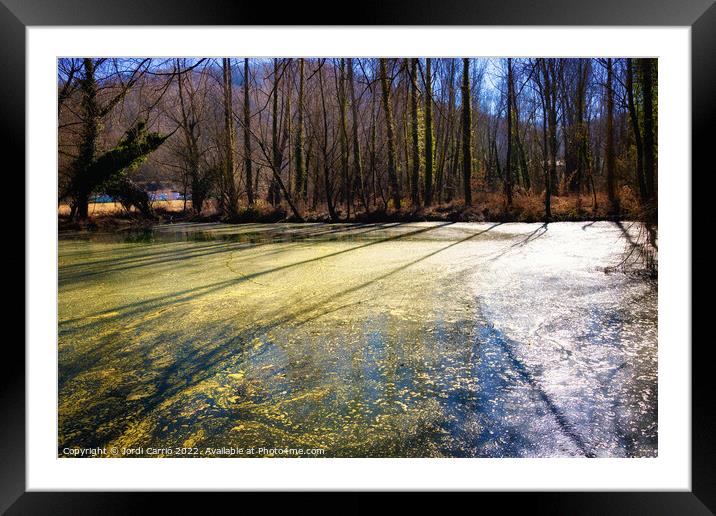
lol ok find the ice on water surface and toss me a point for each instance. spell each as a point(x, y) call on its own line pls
point(392, 339)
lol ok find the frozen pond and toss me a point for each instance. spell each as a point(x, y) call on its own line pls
point(394, 339)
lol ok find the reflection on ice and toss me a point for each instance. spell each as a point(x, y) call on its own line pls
point(396, 339)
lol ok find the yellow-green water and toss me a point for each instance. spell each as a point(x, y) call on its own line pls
point(396, 339)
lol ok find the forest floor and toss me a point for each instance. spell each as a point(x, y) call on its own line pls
point(486, 207)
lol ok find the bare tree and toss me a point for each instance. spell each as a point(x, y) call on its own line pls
point(190, 122)
point(466, 133)
point(358, 133)
point(91, 170)
point(649, 168)
point(508, 163)
point(247, 135)
point(634, 118)
point(610, 156)
point(343, 135)
point(415, 130)
point(327, 179)
point(357, 165)
point(300, 187)
point(390, 130)
point(428, 197)
point(229, 195)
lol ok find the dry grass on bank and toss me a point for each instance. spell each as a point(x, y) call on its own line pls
point(526, 207)
point(486, 206)
point(115, 209)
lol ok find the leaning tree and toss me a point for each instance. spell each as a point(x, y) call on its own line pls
point(94, 172)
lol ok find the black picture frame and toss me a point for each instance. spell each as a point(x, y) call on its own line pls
point(16, 15)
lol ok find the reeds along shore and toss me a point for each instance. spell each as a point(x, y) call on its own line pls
point(526, 207)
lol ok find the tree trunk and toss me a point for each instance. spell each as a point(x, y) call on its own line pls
point(428, 197)
point(580, 133)
point(610, 154)
point(300, 161)
point(549, 137)
point(440, 178)
point(466, 132)
point(522, 176)
point(357, 165)
point(373, 137)
point(649, 168)
point(551, 86)
point(415, 180)
point(81, 188)
point(230, 197)
point(635, 128)
point(274, 194)
point(390, 129)
point(247, 135)
point(195, 181)
point(508, 167)
point(327, 182)
point(406, 129)
point(545, 157)
point(344, 137)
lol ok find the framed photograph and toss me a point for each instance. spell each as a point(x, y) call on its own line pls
point(435, 249)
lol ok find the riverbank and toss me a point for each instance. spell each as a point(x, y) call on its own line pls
point(487, 207)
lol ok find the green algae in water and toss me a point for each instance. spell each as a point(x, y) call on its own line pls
point(385, 340)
